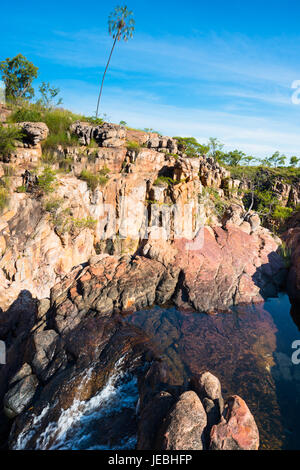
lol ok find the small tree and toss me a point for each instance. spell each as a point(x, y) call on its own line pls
point(191, 147)
point(214, 146)
point(48, 96)
point(18, 74)
point(120, 26)
point(294, 161)
point(8, 137)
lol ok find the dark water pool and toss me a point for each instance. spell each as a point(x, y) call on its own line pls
point(250, 350)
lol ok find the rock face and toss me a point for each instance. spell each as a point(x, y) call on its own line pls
point(212, 281)
point(292, 240)
point(238, 430)
point(184, 426)
point(34, 132)
point(20, 396)
point(123, 215)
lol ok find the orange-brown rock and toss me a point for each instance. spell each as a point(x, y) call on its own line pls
point(238, 430)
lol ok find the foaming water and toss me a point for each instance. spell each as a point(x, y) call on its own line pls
point(105, 422)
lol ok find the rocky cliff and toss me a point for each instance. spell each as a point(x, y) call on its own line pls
point(120, 222)
point(149, 199)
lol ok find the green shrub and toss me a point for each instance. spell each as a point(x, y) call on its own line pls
point(61, 138)
point(58, 121)
point(133, 145)
point(49, 158)
point(53, 204)
point(21, 189)
point(282, 213)
point(104, 171)
point(102, 180)
point(92, 179)
point(30, 113)
point(8, 136)
point(46, 180)
point(191, 147)
point(163, 180)
point(80, 224)
point(286, 254)
point(93, 120)
point(4, 198)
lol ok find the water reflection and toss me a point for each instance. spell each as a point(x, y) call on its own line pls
point(249, 350)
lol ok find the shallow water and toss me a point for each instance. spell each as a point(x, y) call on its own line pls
point(249, 350)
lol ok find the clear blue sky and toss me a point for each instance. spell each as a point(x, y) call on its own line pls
point(221, 68)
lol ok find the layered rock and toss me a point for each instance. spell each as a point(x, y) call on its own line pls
point(292, 254)
point(33, 132)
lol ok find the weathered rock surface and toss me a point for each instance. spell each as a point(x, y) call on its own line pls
point(238, 430)
point(292, 240)
point(226, 267)
point(20, 396)
point(106, 135)
point(34, 132)
point(183, 428)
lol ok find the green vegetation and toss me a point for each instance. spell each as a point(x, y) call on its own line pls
point(18, 74)
point(286, 254)
point(219, 203)
point(21, 189)
point(58, 121)
point(62, 219)
point(281, 213)
point(8, 136)
point(4, 198)
point(191, 147)
point(133, 145)
point(164, 180)
point(47, 180)
point(95, 121)
point(49, 95)
point(93, 180)
point(120, 26)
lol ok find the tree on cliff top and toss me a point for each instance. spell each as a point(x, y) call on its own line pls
point(120, 26)
point(18, 74)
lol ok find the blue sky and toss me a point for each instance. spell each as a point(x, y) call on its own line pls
point(195, 68)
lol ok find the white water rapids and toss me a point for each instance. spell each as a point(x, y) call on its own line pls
point(86, 425)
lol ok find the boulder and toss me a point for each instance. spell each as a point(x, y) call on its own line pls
point(19, 397)
point(151, 417)
point(206, 385)
point(23, 372)
point(237, 430)
point(48, 357)
point(184, 426)
point(34, 132)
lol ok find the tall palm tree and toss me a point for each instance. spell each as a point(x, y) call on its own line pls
point(120, 26)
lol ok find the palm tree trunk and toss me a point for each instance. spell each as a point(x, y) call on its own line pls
point(99, 97)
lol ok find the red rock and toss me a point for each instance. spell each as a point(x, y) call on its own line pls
point(238, 430)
